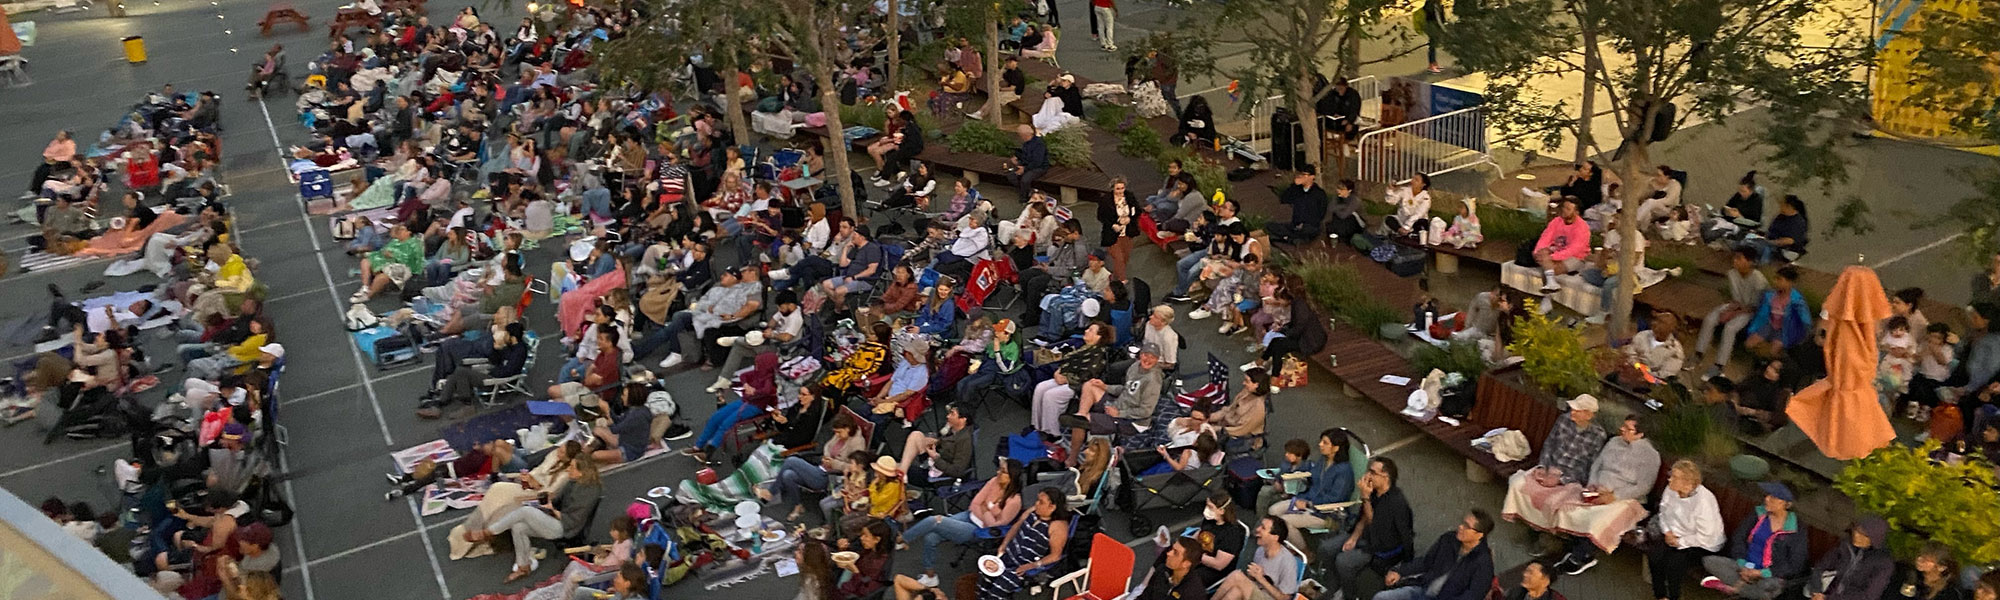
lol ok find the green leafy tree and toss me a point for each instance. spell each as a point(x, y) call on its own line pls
point(1957, 71)
point(1928, 501)
point(1705, 58)
point(723, 34)
point(1289, 42)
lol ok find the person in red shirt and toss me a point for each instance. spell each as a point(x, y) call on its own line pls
point(1104, 19)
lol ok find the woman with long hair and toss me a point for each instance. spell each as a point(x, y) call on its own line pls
point(865, 574)
point(939, 309)
point(816, 577)
point(1034, 543)
point(996, 503)
point(1245, 414)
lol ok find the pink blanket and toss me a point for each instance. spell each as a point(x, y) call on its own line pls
point(1562, 509)
point(114, 243)
point(577, 303)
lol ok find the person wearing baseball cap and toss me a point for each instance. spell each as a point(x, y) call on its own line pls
point(1767, 551)
point(1095, 273)
point(1130, 404)
point(1567, 453)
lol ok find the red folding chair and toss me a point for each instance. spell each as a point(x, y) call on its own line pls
point(1107, 577)
point(988, 278)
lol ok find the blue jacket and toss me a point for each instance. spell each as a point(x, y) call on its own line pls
point(1329, 485)
point(936, 322)
point(1783, 555)
point(1798, 318)
point(1982, 360)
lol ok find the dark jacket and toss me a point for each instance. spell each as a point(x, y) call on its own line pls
point(802, 426)
point(1308, 205)
point(1469, 575)
point(955, 454)
point(508, 361)
point(1858, 573)
point(1033, 154)
point(1785, 557)
point(1306, 327)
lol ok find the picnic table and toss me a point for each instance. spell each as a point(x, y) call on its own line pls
point(281, 13)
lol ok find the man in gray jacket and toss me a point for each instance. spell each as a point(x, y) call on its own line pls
point(1131, 403)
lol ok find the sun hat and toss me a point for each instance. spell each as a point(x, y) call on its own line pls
point(887, 466)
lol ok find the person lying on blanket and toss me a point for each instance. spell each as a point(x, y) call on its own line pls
point(100, 314)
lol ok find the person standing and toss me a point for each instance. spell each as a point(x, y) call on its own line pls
point(1104, 22)
point(1433, 31)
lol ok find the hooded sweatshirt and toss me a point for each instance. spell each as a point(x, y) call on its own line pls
point(1857, 573)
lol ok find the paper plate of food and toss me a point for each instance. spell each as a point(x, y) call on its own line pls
point(845, 559)
point(991, 565)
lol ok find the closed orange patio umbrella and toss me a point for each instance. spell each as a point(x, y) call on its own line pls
point(1841, 413)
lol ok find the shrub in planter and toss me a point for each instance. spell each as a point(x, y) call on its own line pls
point(1925, 500)
point(1552, 354)
point(1068, 148)
point(874, 116)
point(1337, 288)
point(1455, 357)
point(980, 137)
point(1687, 431)
point(1140, 142)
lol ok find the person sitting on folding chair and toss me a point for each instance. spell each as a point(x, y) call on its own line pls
point(503, 357)
point(1130, 404)
point(997, 503)
point(949, 451)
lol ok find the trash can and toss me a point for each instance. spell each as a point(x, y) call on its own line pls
point(135, 49)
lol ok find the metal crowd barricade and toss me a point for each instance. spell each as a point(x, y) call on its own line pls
point(1434, 145)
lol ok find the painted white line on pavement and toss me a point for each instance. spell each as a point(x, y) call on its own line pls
point(1919, 250)
point(360, 365)
point(298, 537)
point(452, 522)
point(64, 459)
point(1398, 444)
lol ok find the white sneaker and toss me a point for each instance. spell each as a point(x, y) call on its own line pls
point(673, 360)
point(779, 274)
point(927, 580)
point(721, 383)
point(1199, 314)
point(1596, 319)
point(727, 341)
point(1550, 285)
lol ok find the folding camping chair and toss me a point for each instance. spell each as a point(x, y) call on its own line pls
point(988, 278)
point(515, 384)
point(1107, 576)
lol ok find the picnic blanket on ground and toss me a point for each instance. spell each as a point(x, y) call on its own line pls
point(435, 450)
point(759, 466)
point(453, 494)
point(114, 243)
point(35, 261)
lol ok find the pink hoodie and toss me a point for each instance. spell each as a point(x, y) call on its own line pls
point(1565, 240)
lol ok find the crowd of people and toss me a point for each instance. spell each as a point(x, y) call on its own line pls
point(861, 348)
point(195, 508)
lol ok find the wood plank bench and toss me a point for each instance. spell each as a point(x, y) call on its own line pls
point(1068, 182)
point(1446, 256)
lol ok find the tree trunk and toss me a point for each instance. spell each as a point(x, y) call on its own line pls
point(895, 66)
point(739, 123)
point(1589, 105)
point(838, 170)
point(1637, 156)
point(994, 109)
point(1591, 57)
point(1350, 53)
point(1308, 113)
